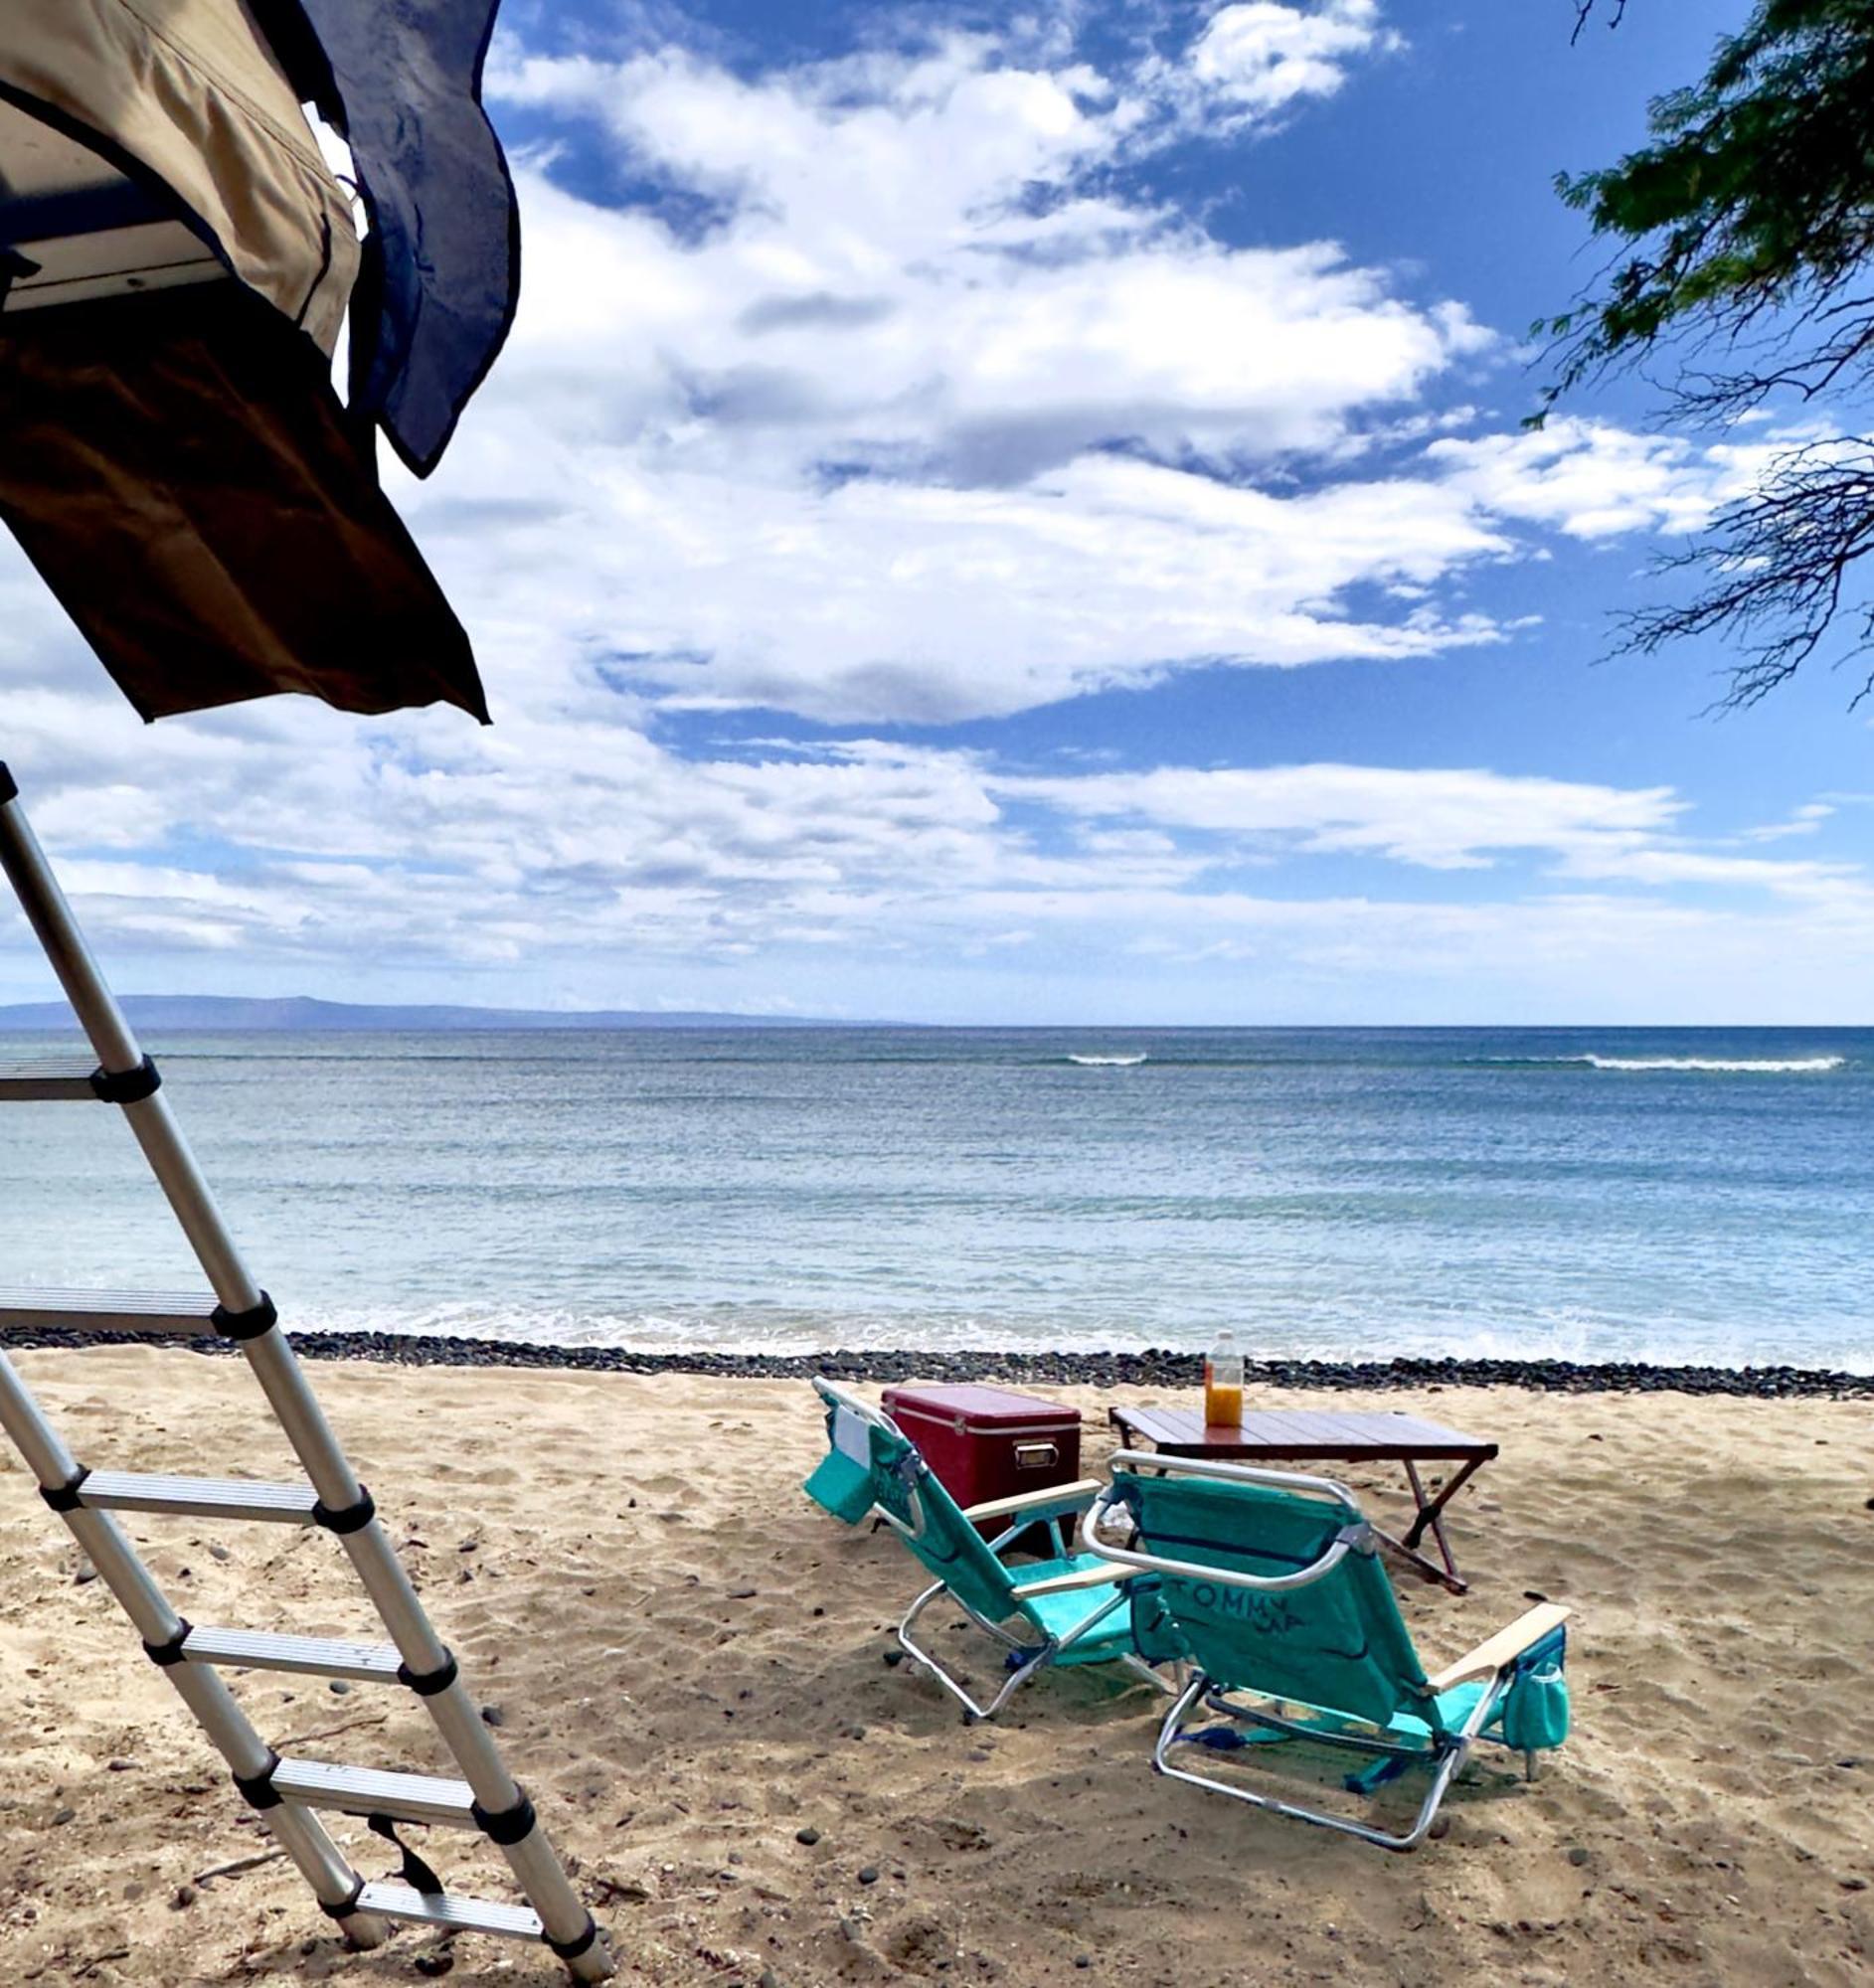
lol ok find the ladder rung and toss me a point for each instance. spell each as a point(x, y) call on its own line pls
point(110, 1311)
point(368, 1791)
point(315, 1656)
point(444, 1908)
point(48, 1080)
point(199, 1497)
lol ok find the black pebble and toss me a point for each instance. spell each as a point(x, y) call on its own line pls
point(809, 1836)
point(492, 1715)
point(1156, 1367)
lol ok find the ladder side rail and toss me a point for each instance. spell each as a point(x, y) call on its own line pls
point(276, 1367)
point(298, 1830)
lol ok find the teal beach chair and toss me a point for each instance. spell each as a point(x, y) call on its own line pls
point(1274, 1591)
point(1074, 1609)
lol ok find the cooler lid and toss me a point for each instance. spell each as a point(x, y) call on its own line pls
point(973, 1408)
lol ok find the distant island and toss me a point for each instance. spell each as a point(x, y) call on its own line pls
point(230, 1014)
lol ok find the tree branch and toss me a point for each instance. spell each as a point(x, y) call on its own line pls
point(1584, 9)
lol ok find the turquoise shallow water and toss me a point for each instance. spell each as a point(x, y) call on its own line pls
point(1583, 1194)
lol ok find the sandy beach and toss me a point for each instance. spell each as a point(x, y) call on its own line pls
point(688, 1662)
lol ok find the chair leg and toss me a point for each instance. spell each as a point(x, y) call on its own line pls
point(1443, 1775)
point(1155, 1678)
point(971, 1709)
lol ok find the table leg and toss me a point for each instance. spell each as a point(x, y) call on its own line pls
point(1430, 1510)
point(1426, 1569)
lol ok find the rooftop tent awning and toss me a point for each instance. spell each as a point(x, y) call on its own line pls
point(184, 99)
point(175, 261)
point(79, 229)
point(443, 260)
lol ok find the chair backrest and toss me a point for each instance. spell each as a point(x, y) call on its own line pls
point(872, 1464)
point(1321, 1625)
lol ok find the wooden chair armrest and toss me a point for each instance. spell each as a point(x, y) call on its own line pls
point(1061, 1497)
point(1066, 1583)
point(1495, 1652)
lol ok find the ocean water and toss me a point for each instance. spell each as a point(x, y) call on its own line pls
point(1584, 1194)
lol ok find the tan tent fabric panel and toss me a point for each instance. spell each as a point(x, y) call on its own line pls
point(189, 92)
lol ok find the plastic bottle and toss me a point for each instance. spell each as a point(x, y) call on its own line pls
point(1223, 1384)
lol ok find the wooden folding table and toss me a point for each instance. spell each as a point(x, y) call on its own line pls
point(1308, 1435)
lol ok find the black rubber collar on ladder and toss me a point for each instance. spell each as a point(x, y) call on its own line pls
point(428, 1683)
point(571, 1949)
point(8, 791)
point(258, 1791)
point(65, 1497)
point(163, 1655)
point(127, 1087)
point(352, 1519)
point(250, 1324)
point(508, 1825)
point(346, 1907)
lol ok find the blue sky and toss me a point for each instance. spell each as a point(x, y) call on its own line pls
point(1002, 522)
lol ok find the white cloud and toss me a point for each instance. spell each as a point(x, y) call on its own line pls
point(1259, 57)
point(881, 602)
point(848, 449)
point(911, 269)
point(1594, 480)
point(1440, 819)
point(932, 420)
point(557, 860)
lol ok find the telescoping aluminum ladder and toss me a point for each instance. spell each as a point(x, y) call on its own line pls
point(287, 1794)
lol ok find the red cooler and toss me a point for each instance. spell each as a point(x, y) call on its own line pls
point(988, 1443)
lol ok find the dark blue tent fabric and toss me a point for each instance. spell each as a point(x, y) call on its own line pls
point(401, 79)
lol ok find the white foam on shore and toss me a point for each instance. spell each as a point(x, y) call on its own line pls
point(1586, 1340)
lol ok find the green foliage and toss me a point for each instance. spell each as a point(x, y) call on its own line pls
point(1745, 232)
point(1754, 197)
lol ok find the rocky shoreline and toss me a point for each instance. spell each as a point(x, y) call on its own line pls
point(1153, 1368)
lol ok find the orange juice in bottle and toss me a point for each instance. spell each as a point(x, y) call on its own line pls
point(1223, 1384)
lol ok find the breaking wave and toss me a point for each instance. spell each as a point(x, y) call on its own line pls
point(1106, 1062)
point(1753, 1065)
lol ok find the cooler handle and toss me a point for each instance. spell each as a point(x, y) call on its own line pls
point(1037, 1456)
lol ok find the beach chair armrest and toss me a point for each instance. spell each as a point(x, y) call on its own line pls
point(1055, 1502)
point(1496, 1653)
point(1067, 1584)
